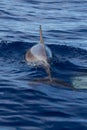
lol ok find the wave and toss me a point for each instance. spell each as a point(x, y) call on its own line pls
point(67, 62)
point(62, 54)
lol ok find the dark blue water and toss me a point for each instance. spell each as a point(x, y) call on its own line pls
point(25, 106)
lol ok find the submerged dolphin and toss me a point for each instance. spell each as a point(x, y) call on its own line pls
point(39, 54)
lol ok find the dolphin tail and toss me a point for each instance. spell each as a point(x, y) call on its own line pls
point(41, 37)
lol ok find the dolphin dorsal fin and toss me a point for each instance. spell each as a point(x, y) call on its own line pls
point(41, 37)
point(47, 67)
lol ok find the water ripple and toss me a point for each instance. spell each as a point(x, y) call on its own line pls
point(40, 106)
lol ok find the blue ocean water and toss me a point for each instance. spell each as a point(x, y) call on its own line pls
point(25, 106)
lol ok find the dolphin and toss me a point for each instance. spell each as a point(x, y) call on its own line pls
point(40, 54)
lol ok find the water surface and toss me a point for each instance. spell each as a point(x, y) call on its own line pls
point(25, 106)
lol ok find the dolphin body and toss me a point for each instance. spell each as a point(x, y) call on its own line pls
point(40, 54)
